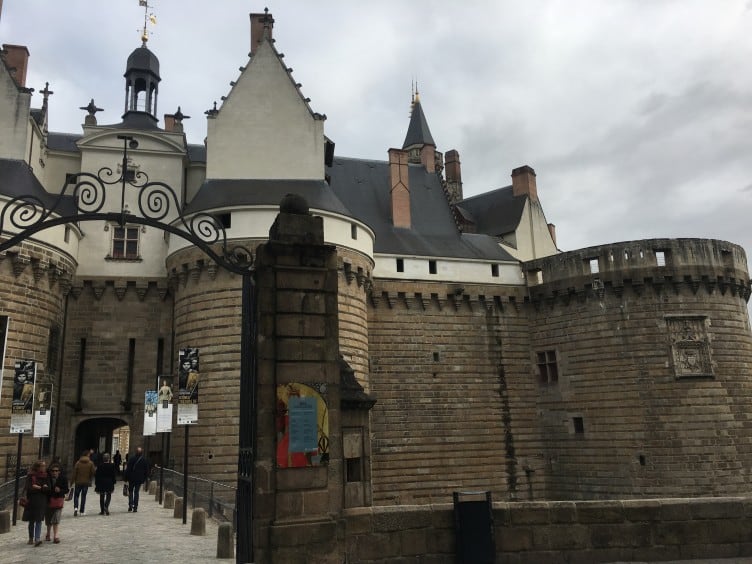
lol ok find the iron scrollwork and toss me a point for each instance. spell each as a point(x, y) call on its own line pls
point(83, 198)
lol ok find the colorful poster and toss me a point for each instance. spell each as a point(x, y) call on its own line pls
point(22, 405)
point(43, 413)
point(150, 413)
point(188, 386)
point(302, 423)
point(4, 320)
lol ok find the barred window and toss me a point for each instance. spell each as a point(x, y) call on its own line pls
point(548, 371)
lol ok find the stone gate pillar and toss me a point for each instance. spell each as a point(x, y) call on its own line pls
point(299, 495)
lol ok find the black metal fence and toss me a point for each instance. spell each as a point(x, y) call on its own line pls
point(216, 498)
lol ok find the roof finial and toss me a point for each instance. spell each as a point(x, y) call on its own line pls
point(416, 98)
point(267, 20)
point(148, 18)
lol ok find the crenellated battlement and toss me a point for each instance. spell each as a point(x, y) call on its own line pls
point(650, 263)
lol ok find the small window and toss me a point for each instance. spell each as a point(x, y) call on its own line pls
point(431, 267)
point(579, 425)
point(660, 258)
point(436, 357)
point(125, 242)
point(495, 270)
point(594, 266)
point(66, 235)
point(70, 178)
point(548, 371)
point(400, 265)
point(353, 231)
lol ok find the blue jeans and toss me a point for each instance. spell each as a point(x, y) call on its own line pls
point(133, 489)
point(35, 530)
point(82, 491)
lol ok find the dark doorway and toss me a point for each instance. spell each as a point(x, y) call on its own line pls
point(97, 434)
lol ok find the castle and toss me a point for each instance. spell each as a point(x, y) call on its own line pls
point(483, 358)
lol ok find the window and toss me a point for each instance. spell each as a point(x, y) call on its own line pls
point(594, 266)
point(124, 242)
point(400, 265)
point(436, 357)
point(548, 371)
point(495, 270)
point(431, 267)
point(579, 425)
point(66, 236)
point(660, 258)
point(353, 231)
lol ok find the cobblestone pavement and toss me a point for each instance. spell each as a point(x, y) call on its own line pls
point(151, 535)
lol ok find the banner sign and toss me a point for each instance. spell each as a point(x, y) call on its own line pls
point(43, 413)
point(22, 405)
point(150, 413)
point(188, 385)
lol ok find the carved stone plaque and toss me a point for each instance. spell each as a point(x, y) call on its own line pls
point(690, 346)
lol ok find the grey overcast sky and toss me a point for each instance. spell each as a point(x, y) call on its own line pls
point(636, 115)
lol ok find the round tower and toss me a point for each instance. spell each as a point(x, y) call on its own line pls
point(641, 354)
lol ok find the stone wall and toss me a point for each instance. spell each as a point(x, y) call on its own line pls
point(558, 532)
point(455, 409)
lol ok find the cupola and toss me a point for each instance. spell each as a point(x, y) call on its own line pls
point(141, 83)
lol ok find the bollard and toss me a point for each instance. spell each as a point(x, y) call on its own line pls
point(198, 522)
point(169, 500)
point(5, 521)
point(225, 544)
point(178, 512)
point(153, 487)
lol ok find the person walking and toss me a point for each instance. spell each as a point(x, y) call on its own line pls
point(58, 487)
point(83, 474)
point(104, 483)
point(136, 472)
point(36, 495)
point(118, 460)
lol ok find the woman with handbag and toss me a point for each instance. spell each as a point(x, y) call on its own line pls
point(58, 487)
point(104, 483)
point(36, 493)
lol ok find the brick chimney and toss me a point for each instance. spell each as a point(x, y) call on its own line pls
point(260, 23)
point(453, 175)
point(400, 188)
point(428, 158)
point(169, 122)
point(17, 59)
point(523, 182)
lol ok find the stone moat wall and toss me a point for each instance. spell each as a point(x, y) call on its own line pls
point(559, 532)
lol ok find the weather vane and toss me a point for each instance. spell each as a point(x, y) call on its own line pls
point(148, 18)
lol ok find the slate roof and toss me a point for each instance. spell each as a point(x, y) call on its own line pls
point(63, 141)
point(220, 193)
point(197, 153)
point(494, 213)
point(364, 186)
point(17, 179)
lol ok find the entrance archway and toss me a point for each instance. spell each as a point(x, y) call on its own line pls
point(96, 433)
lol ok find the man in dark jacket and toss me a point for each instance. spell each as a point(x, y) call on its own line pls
point(136, 472)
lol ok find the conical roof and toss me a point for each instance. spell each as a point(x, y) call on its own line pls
point(418, 132)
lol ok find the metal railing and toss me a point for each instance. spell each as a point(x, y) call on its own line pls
point(7, 489)
point(216, 498)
